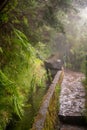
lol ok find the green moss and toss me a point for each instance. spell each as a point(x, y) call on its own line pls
point(52, 114)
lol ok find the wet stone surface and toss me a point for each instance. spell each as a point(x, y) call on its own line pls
point(69, 127)
point(72, 103)
point(72, 96)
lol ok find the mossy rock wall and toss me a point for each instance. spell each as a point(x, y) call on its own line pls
point(47, 115)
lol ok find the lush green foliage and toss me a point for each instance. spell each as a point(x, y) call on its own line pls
point(9, 100)
point(22, 74)
point(25, 31)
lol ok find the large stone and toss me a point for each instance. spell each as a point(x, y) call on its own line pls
point(53, 64)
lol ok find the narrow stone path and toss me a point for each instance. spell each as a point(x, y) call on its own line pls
point(72, 102)
point(69, 127)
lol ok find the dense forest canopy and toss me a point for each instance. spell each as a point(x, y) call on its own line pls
point(30, 31)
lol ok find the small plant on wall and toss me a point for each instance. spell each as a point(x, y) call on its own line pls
point(86, 70)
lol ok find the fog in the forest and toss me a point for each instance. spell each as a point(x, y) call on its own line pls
point(73, 42)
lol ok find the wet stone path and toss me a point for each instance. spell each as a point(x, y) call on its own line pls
point(72, 102)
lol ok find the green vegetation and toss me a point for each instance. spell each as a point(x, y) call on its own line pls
point(86, 70)
point(52, 114)
point(27, 33)
point(25, 28)
point(20, 78)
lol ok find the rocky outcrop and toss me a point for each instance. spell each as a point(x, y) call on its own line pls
point(53, 64)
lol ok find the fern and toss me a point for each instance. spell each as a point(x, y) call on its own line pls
point(8, 95)
point(22, 40)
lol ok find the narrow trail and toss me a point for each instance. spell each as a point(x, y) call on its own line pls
point(72, 102)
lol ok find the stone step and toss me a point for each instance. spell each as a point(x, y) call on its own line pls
point(72, 103)
point(73, 120)
point(70, 127)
